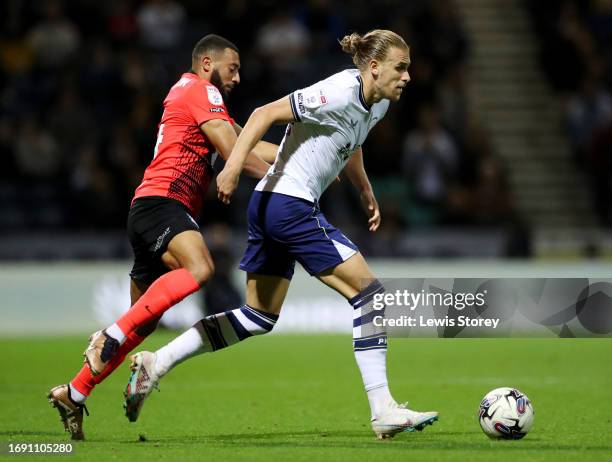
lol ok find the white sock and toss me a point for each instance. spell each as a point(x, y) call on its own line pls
point(115, 332)
point(183, 347)
point(370, 347)
point(380, 400)
point(373, 367)
point(214, 333)
point(76, 395)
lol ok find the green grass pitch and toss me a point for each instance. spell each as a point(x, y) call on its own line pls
point(300, 397)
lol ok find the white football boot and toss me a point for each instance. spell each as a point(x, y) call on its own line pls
point(142, 382)
point(398, 418)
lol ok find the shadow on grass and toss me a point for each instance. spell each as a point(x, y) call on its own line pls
point(28, 433)
point(361, 440)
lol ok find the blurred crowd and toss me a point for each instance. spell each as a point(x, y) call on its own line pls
point(576, 38)
point(82, 83)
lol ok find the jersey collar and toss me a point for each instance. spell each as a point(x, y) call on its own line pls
point(361, 96)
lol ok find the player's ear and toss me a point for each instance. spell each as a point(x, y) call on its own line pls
point(374, 68)
point(206, 63)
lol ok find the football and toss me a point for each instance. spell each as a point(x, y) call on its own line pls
point(505, 413)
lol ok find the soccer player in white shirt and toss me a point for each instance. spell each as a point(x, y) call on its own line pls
point(327, 124)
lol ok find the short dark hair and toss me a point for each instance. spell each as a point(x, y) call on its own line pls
point(211, 43)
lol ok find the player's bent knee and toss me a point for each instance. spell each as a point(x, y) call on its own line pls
point(202, 272)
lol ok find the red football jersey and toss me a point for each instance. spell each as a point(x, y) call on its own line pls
point(181, 168)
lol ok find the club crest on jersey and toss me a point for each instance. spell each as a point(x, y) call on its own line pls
point(214, 96)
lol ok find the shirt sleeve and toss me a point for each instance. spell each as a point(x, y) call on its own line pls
point(314, 104)
point(204, 103)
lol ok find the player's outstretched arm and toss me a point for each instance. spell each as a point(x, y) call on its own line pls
point(260, 121)
point(356, 173)
point(223, 137)
point(267, 151)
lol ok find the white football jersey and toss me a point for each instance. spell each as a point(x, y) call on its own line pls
point(332, 121)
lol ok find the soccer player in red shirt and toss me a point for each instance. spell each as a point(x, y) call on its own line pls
point(171, 259)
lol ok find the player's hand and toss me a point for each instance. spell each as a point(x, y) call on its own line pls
point(371, 207)
point(227, 182)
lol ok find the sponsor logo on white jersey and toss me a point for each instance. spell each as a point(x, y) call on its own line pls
point(314, 100)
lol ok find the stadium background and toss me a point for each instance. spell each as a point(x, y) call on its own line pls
point(496, 162)
point(499, 149)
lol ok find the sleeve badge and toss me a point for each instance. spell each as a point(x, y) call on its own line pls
point(214, 96)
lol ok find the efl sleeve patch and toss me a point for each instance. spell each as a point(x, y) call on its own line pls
point(312, 104)
point(314, 98)
point(214, 95)
point(205, 103)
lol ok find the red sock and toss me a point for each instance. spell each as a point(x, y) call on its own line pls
point(164, 293)
point(84, 382)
